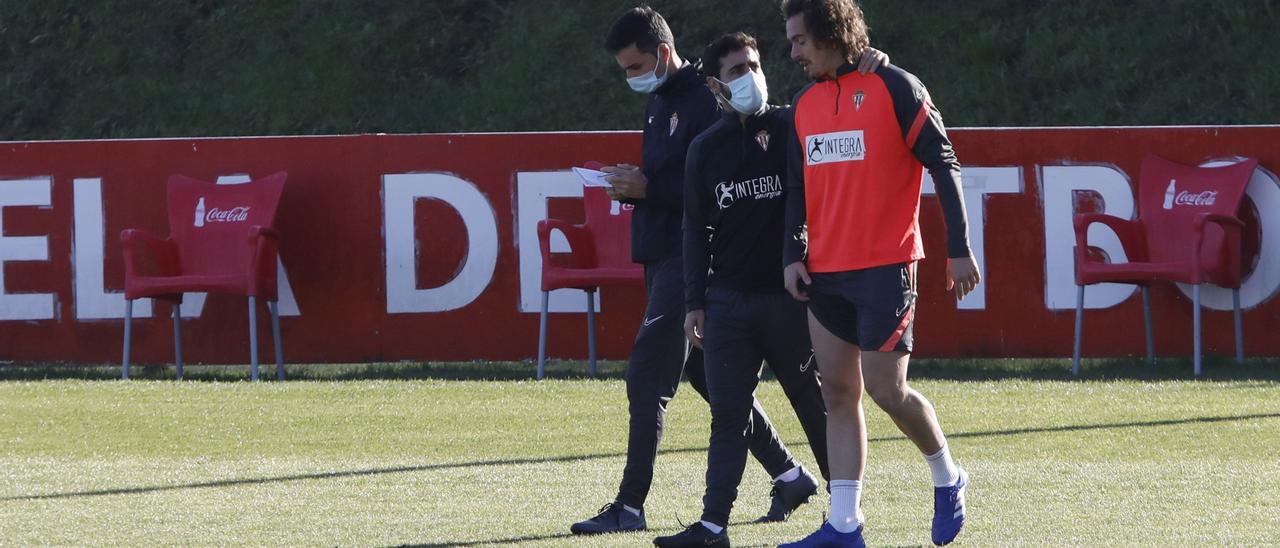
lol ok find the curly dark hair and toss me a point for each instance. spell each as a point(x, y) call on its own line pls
point(835, 24)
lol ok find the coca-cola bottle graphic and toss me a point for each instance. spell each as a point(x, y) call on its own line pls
point(200, 212)
point(1169, 193)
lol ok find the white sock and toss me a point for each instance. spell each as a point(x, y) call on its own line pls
point(943, 469)
point(635, 511)
point(846, 503)
point(712, 527)
point(790, 475)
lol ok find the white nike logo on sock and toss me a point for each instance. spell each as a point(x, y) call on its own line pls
point(649, 321)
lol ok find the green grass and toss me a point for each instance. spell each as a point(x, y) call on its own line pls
point(438, 460)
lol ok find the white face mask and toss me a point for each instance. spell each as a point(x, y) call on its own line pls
point(749, 93)
point(647, 83)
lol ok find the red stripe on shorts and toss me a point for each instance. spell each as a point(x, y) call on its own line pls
point(906, 318)
point(897, 333)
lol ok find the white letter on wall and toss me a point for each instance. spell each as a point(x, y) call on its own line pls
point(92, 301)
point(24, 306)
point(399, 193)
point(1059, 185)
point(1261, 285)
point(532, 191)
point(977, 183)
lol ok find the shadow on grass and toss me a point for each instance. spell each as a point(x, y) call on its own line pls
point(577, 458)
point(984, 369)
point(1012, 432)
point(653, 531)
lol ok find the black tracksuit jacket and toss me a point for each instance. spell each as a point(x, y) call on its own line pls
point(675, 113)
point(735, 205)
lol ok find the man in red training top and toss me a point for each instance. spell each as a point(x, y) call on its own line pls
point(860, 146)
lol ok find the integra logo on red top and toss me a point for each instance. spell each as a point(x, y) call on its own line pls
point(841, 146)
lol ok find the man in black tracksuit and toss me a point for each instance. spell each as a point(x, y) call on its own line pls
point(738, 310)
point(679, 107)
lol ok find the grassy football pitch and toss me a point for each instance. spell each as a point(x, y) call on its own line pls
point(442, 456)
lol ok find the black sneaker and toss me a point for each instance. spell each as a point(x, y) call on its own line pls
point(613, 518)
point(695, 535)
point(786, 496)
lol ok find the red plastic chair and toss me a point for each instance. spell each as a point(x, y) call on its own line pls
point(1187, 231)
point(600, 255)
point(221, 240)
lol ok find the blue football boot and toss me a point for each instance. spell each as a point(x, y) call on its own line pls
point(828, 537)
point(948, 510)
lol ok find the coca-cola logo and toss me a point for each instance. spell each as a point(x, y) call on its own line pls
point(1205, 198)
point(233, 215)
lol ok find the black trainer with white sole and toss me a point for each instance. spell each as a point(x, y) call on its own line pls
point(694, 535)
point(786, 496)
point(613, 518)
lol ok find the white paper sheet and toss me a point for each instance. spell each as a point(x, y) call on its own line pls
point(591, 177)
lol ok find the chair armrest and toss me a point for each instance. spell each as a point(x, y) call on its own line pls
point(1230, 226)
point(1218, 218)
point(144, 248)
point(256, 232)
point(266, 243)
point(1129, 232)
point(580, 241)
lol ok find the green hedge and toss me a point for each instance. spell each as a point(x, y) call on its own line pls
point(137, 68)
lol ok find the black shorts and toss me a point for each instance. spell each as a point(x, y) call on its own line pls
point(873, 308)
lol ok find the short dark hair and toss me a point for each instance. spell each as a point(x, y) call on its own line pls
point(722, 46)
point(837, 24)
point(642, 26)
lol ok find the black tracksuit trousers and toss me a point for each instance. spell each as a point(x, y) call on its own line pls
point(660, 354)
point(742, 328)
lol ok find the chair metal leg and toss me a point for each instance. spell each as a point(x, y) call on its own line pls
point(128, 330)
point(177, 338)
point(1075, 356)
point(275, 336)
point(253, 338)
point(1195, 326)
point(1146, 320)
point(542, 336)
point(591, 332)
point(1235, 301)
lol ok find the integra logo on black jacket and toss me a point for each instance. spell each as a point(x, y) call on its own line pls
point(760, 188)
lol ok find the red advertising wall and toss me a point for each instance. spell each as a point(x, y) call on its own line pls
point(422, 247)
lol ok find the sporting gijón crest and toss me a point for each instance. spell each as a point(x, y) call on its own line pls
point(762, 138)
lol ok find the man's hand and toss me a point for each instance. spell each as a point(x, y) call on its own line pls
point(796, 278)
point(962, 275)
point(871, 60)
point(693, 322)
point(627, 180)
